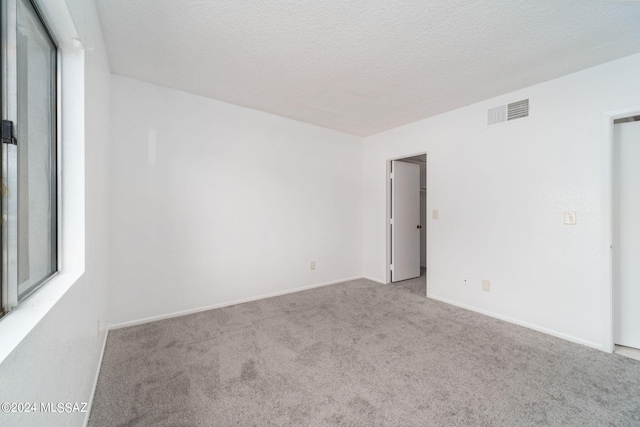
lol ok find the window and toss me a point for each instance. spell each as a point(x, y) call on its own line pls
point(29, 152)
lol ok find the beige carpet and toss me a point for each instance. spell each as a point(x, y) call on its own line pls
point(357, 354)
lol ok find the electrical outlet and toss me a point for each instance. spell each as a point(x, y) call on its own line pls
point(313, 265)
point(465, 281)
point(435, 214)
point(486, 285)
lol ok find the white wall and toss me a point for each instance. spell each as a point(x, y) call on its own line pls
point(501, 192)
point(236, 206)
point(58, 360)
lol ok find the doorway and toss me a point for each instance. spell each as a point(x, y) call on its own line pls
point(406, 219)
point(626, 233)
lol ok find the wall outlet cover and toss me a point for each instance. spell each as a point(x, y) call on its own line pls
point(486, 285)
point(569, 218)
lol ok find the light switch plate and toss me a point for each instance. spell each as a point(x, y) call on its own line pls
point(569, 218)
point(486, 285)
point(435, 214)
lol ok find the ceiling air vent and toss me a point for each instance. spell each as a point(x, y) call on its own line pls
point(505, 113)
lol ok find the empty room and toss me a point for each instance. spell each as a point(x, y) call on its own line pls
point(301, 213)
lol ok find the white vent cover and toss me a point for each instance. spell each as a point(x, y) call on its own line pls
point(518, 110)
point(497, 115)
point(504, 113)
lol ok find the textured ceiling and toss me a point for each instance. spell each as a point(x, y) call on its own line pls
point(362, 66)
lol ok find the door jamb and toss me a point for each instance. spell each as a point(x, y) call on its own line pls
point(388, 214)
point(609, 117)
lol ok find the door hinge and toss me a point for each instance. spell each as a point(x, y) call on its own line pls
point(391, 267)
point(391, 175)
point(391, 221)
point(8, 136)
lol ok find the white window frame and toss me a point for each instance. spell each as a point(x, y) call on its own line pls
point(12, 295)
point(15, 326)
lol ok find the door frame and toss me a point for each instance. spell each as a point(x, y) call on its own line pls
point(608, 118)
point(387, 214)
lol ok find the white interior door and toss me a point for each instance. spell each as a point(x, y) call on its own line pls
point(626, 233)
point(405, 229)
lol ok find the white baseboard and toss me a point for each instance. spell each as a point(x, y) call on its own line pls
point(226, 304)
point(95, 380)
point(520, 323)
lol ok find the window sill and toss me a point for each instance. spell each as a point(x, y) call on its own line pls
point(18, 323)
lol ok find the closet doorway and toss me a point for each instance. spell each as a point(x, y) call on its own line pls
point(626, 232)
point(406, 215)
